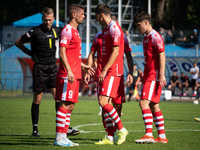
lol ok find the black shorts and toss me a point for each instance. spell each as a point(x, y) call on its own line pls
point(193, 82)
point(44, 76)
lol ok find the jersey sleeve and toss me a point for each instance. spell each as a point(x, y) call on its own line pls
point(115, 34)
point(127, 47)
point(65, 37)
point(27, 36)
point(93, 47)
point(158, 43)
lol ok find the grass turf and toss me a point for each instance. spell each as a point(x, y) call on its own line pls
point(182, 131)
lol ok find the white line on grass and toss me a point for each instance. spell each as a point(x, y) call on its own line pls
point(96, 124)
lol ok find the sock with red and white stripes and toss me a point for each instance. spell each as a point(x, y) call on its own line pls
point(159, 123)
point(114, 116)
point(60, 122)
point(109, 125)
point(148, 121)
point(67, 123)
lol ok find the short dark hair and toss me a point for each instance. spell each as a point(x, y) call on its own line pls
point(73, 8)
point(47, 10)
point(113, 17)
point(103, 8)
point(141, 17)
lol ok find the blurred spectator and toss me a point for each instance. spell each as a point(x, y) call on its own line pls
point(194, 72)
point(173, 82)
point(169, 36)
point(128, 36)
point(194, 37)
point(162, 33)
point(134, 84)
point(184, 82)
point(181, 39)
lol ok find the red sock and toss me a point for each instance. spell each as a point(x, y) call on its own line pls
point(113, 114)
point(109, 124)
point(61, 119)
point(148, 121)
point(159, 123)
point(67, 123)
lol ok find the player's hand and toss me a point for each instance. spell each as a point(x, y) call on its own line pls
point(129, 80)
point(162, 81)
point(102, 76)
point(86, 78)
point(87, 69)
point(70, 77)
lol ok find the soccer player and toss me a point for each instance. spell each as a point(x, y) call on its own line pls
point(97, 47)
point(69, 73)
point(43, 48)
point(154, 79)
point(111, 71)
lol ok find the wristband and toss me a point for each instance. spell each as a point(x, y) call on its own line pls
point(27, 51)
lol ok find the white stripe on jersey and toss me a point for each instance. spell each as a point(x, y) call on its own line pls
point(151, 90)
point(64, 93)
point(28, 35)
point(110, 85)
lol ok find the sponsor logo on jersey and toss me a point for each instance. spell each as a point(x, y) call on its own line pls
point(63, 40)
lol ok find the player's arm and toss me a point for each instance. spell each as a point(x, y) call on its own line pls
point(64, 61)
point(113, 57)
point(90, 62)
point(162, 78)
point(88, 69)
point(20, 44)
point(130, 67)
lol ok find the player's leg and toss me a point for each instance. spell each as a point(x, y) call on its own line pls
point(159, 123)
point(40, 81)
point(68, 93)
point(37, 97)
point(148, 87)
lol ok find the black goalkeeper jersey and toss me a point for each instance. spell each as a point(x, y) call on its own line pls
point(43, 45)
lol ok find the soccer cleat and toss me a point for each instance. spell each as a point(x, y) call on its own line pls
point(197, 119)
point(72, 132)
point(145, 139)
point(69, 141)
point(62, 143)
point(105, 141)
point(185, 94)
point(122, 136)
point(194, 94)
point(122, 114)
point(35, 134)
point(180, 94)
point(160, 140)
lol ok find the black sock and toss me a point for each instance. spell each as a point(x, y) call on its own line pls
point(35, 115)
point(130, 94)
point(57, 105)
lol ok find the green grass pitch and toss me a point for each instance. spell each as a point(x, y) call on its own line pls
point(182, 131)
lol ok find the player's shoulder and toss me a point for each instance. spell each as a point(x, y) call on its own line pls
point(98, 34)
point(155, 35)
point(114, 26)
point(36, 29)
point(67, 30)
